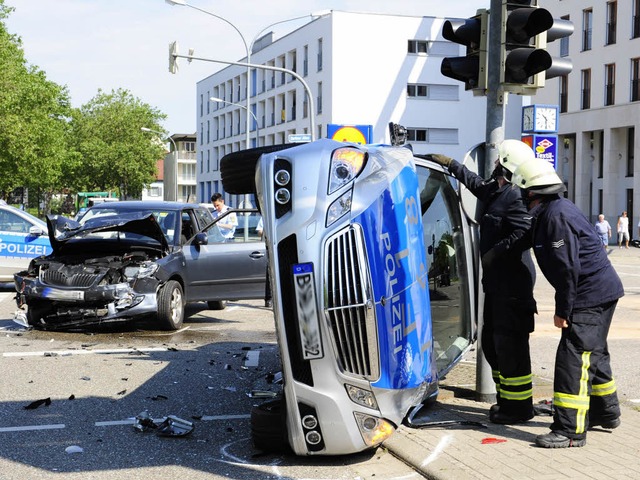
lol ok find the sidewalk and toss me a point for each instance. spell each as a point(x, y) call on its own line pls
point(456, 452)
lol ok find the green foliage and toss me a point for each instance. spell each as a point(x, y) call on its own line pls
point(50, 147)
point(114, 152)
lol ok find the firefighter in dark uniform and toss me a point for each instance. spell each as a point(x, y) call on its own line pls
point(508, 280)
point(571, 257)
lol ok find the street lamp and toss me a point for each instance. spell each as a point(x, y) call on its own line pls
point(175, 157)
point(220, 100)
point(248, 49)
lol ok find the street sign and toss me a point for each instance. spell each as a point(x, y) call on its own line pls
point(545, 147)
point(299, 137)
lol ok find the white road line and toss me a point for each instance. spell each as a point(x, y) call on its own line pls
point(225, 417)
point(61, 353)
point(32, 427)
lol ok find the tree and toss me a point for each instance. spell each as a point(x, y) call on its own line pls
point(34, 114)
point(114, 153)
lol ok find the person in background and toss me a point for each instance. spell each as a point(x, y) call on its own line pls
point(604, 230)
point(228, 224)
point(508, 278)
point(623, 230)
point(587, 288)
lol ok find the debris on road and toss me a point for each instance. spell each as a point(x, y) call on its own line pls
point(170, 426)
point(33, 405)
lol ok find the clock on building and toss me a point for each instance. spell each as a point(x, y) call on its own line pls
point(540, 119)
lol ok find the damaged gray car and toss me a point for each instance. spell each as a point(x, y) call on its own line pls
point(138, 260)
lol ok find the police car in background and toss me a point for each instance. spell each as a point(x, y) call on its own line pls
point(22, 237)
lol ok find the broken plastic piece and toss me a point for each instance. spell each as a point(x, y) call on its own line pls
point(143, 422)
point(175, 427)
point(492, 440)
point(20, 317)
point(74, 449)
point(37, 403)
point(261, 394)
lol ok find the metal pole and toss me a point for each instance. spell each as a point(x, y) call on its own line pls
point(175, 159)
point(266, 67)
point(496, 100)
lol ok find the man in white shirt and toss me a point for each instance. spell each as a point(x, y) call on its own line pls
point(228, 224)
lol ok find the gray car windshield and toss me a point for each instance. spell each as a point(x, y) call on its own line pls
point(167, 219)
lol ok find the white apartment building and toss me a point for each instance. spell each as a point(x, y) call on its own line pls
point(362, 69)
point(179, 173)
point(599, 130)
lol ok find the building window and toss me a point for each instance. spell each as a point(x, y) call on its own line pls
point(201, 132)
point(564, 42)
point(319, 107)
point(631, 133)
point(612, 16)
point(432, 92)
point(635, 28)
point(189, 146)
point(586, 89)
point(201, 105)
point(564, 94)
point(610, 84)
point(447, 136)
point(635, 79)
point(208, 104)
point(208, 161)
point(319, 54)
point(587, 26)
point(305, 61)
point(418, 46)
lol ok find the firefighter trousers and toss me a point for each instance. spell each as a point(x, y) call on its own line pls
point(584, 388)
point(505, 343)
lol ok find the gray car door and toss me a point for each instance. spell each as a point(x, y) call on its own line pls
point(227, 269)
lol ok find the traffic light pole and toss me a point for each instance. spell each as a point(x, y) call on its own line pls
point(496, 100)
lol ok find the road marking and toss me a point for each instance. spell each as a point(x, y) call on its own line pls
point(224, 417)
point(61, 353)
point(32, 427)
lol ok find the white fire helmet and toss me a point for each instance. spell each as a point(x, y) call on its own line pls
point(538, 176)
point(513, 153)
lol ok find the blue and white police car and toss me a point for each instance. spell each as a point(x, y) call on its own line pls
point(374, 279)
point(22, 237)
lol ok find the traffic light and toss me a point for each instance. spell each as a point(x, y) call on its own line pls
point(173, 60)
point(524, 60)
point(472, 68)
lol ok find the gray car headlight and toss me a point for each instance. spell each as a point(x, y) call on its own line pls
point(147, 269)
point(346, 164)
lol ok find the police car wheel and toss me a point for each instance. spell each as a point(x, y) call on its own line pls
point(237, 169)
point(268, 427)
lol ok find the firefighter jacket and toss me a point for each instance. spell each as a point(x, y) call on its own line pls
point(570, 255)
point(504, 238)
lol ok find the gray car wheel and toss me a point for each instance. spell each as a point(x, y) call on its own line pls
point(171, 306)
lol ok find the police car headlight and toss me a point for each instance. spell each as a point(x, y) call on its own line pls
point(346, 164)
point(339, 208)
point(361, 396)
point(374, 430)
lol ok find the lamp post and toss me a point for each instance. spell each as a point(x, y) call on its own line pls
point(175, 157)
point(220, 100)
point(248, 49)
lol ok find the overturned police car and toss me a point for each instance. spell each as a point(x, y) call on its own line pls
point(374, 279)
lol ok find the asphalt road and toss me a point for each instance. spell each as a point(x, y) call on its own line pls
point(99, 381)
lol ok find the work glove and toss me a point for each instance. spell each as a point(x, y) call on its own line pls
point(439, 158)
point(488, 259)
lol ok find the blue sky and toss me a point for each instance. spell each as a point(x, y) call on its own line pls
point(109, 44)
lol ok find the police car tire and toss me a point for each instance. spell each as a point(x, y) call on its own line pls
point(268, 427)
point(237, 169)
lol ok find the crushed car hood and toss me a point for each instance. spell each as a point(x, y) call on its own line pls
point(62, 229)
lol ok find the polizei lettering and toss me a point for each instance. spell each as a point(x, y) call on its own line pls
point(20, 249)
point(400, 310)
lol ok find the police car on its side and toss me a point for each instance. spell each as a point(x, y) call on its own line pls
point(22, 237)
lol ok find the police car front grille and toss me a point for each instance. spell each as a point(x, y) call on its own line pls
point(349, 306)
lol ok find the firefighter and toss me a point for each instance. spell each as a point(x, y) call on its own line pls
point(587, 289)
point(508, 280)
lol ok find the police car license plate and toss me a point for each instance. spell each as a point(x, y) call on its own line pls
point(306, 306)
